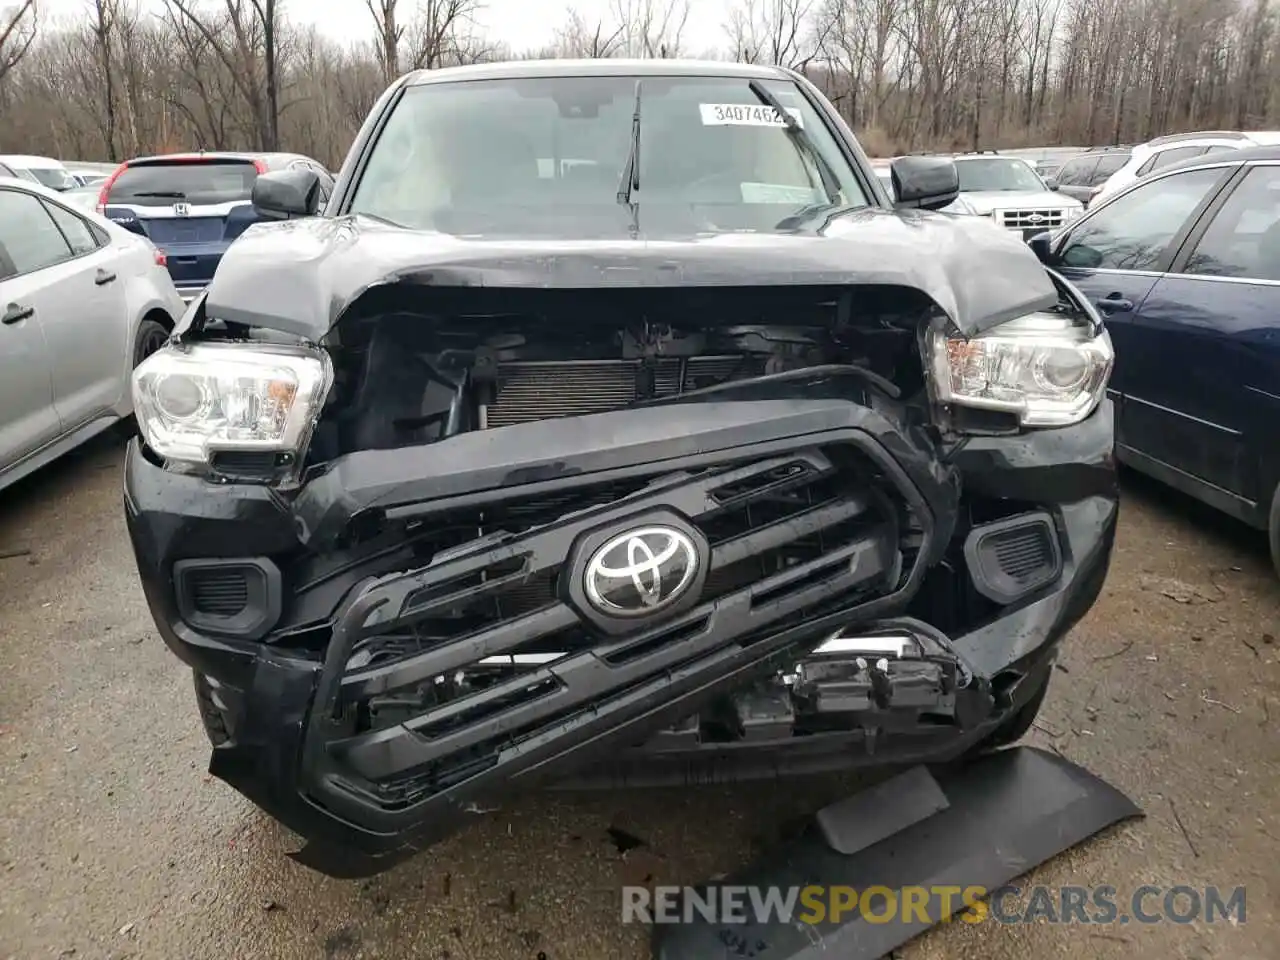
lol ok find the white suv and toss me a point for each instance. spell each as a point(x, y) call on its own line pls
point(1163, 151)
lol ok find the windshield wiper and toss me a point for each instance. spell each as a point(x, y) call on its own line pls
point(800, 138)
point(170, 194)
point(630, 182)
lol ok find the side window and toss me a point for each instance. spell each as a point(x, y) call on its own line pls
point(1080, 171)
point(1171, 156)
point(1071, 172)
point(27, 233)
point(1134, 231)
point(1108, 165)
point(1244, 238)
point(77, 232)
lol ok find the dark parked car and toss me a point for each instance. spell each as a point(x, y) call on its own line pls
point(610, 426)
point(1186, 266)
point(1083, 176)
point(193, 205)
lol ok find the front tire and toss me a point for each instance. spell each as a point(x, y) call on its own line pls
point(151, 336)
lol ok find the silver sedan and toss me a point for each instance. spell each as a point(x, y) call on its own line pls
point(82, 301)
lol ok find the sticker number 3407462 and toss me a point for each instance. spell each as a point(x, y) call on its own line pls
point(742, 114)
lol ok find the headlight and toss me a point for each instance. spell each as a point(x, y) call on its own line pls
point(194, 401)
point(1048, 369)
point(1072, 213)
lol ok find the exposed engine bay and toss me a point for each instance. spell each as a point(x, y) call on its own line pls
point(492, 359)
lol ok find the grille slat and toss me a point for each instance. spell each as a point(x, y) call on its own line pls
point(1030, 218)
point(221, 593)
point(542, 390)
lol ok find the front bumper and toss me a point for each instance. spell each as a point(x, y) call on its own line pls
point(612, 707)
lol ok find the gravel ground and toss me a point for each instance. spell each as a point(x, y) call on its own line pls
point(115, 843)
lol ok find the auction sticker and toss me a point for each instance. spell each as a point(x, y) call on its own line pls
point(745, 115)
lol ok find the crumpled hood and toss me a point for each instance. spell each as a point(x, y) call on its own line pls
point(300, 276)
point(982, 202)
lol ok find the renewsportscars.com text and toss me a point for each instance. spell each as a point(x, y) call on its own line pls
point(1009, 904)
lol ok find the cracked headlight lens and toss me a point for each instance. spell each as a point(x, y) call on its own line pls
point(1048, 369)
point(194, 401)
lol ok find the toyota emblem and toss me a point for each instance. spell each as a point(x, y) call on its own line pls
point(641, 572)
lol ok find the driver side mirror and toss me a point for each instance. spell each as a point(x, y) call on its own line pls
point(1041, 245)
point(924, 183)
point(1051, 183)
point(283, 194)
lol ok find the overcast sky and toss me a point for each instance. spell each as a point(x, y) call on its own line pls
point(523, 24)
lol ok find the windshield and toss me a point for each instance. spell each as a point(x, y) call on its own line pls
point(197, 182)
point(545, 156)
point(53, 177)
point(997, 173)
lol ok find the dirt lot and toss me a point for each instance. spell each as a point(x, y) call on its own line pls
point(114, 843)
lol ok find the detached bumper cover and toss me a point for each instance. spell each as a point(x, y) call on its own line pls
point(364, 798)
point(1001, 816)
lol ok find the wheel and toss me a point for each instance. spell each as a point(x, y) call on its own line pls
point(1275, 530)
point(151, 337)
point(1019, 722)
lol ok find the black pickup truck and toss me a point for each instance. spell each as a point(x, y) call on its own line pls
point(610, 425)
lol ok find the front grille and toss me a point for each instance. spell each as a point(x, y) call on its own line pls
point(1037, 218)
point(457, 653)
point(540, 390)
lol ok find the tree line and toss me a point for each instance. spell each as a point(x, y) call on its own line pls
point(907, 74)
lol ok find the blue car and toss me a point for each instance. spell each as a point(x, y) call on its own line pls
point(193, 205)
point(1185, 266)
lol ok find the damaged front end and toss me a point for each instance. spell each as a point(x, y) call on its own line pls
point(541, 535)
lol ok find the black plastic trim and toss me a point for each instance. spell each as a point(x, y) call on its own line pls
point(260, 613)
point(995, 584)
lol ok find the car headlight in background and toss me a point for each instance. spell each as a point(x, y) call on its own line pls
point(1048, 369)
point(192, 402)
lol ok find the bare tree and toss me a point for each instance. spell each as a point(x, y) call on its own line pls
point(17, 33)
point(652, 28)
point(441, 31)
point(785, 32)
point(389, 34)
point(244, 38)
point(103, 25)
point(579, 38)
